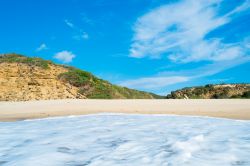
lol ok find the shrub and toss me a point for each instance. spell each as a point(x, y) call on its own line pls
point(15, 58)
point(220, 96)
point(246, 94)
point(76, 77)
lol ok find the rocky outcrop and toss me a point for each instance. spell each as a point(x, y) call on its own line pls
point(221, 91)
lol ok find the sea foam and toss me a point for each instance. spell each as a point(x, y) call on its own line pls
point(107, 140)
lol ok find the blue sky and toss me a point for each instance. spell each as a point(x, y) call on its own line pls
point(151, 45)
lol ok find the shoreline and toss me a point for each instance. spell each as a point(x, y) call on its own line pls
point(219, 108)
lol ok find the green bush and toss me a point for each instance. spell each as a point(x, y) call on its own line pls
point(246, 95)
point(88, 84)
point(76, 77)
point(236, 97)
point(220, 96)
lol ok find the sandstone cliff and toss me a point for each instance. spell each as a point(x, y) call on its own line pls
point(24, 78)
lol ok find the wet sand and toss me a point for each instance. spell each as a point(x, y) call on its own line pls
point(222, 108)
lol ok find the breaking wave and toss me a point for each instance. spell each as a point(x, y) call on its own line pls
point(107, 140)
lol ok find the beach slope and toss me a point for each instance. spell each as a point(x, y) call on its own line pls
point(231, 108)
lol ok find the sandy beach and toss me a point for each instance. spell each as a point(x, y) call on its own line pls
point(233, 109)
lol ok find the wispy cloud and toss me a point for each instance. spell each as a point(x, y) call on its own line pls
point(70, 24)
point(65, 56)
point(85, 35)
point(79, 34)
point(179, 31)
point(164, 79)
point(244, 6)
point(86, 19)
point(43, 46)
point(153, 83)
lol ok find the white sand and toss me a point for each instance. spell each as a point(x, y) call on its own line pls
point(224, 108)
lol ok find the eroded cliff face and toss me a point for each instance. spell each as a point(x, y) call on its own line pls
point(22, 82)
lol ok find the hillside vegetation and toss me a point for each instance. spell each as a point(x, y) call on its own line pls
point(95, 88)
point(31, 61)
point(220, 91)
point(31, 78)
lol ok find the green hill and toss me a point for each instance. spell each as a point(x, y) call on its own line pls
point(32, 78)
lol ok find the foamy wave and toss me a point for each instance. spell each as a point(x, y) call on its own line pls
point(120, 139)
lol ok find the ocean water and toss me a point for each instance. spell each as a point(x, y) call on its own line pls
point(127, 140)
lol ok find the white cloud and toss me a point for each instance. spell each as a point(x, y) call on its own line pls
point(178, 30)
point(153, 82)
point(86, 19)
point(64, 56)
point(81, 36)
point(43, 46)
point(164, 79)
point(85, 36)
point(244, 6)
point(68, 23)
